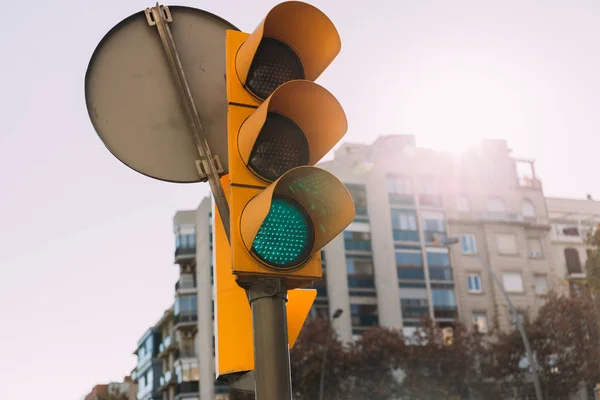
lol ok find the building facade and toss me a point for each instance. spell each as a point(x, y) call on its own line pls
point(572, 220)
point(392, 265)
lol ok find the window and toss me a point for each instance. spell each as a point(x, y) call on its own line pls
point(468, 244)
point(513, 282)
point(359, 196)
point(495, 204)
point(480, 322)
point(400, 190)
point(359, 265)
point(186, 305)
point(506, 243)
point(541, 284)
point(404, 225)
point(409, 258)
point(528, 209)
point(462, 204)
point(534, 247)
point(438, 258)
point(443, 297)
point(474, 283)
point(397, 184)
point(428, 186)
point(364, 315)
point(434, 222)
point(573, 261)
point(360, 272)
point(357, 240)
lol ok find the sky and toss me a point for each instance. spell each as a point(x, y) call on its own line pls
point(86, 244)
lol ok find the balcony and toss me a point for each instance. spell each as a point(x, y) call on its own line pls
point(186, 321)
point(411, 273)
point(186, 388)
point(166, 380)
point(430, 200)
point(168, 344)
point(499, 216)
point(445, 312)
point(529, 182)
point(440, 273)
point(402, 199)
point(435, 237)
point(185, 253)
point(361, 281)
point(406, 236)
point(185, 285)
point(414, 312)
point(364, 321)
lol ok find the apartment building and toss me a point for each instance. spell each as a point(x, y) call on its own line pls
point(572, 220)
point(391, 266)
point(171, 365)
point(126, 388)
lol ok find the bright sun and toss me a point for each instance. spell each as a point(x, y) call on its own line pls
point(459, 110)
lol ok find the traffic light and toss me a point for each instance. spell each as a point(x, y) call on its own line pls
point(281, 123)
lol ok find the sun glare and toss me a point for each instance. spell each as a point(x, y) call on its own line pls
point(458, 110)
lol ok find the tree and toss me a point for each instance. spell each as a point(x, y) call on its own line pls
point(437, 370)
point(375, 359)
point(307, 359)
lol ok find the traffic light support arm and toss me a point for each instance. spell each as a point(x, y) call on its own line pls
point(267, 299)
point(207, 165)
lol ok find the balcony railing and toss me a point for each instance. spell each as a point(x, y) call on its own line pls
point(499, 216)
point(167, 379)
point(187, 387)
point(445, 312)
point(414, 312)
point(167, 344)
point(430, 200)
point(411, 273)
point(361, 245)
point(440, 273)
point(365, 320)
point(186, 284)
point(435, 236)
point(361, 281)
point(185, 251)
point(406, 236)
point(185, 318)
point(404, 199)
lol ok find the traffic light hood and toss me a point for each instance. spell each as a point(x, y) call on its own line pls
point(304, 29)
point(309, 108)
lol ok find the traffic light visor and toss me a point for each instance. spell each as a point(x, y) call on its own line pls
point(295, 217)
point(295, 41)
point(297, 125)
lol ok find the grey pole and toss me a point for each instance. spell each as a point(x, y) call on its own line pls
point(518, 322)
point(335, 315)
point(272, 374)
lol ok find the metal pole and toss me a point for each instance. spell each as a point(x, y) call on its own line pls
point(335, 316)
point(518, 322)
point(322, 382)
point(206, 158)
point(271, 349)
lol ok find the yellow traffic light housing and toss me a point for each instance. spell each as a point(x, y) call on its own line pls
point(296, 125)
point(278, 231)
point(294, 41)
point(280, 124)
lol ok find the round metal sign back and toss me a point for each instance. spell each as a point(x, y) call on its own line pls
point(134, 103)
